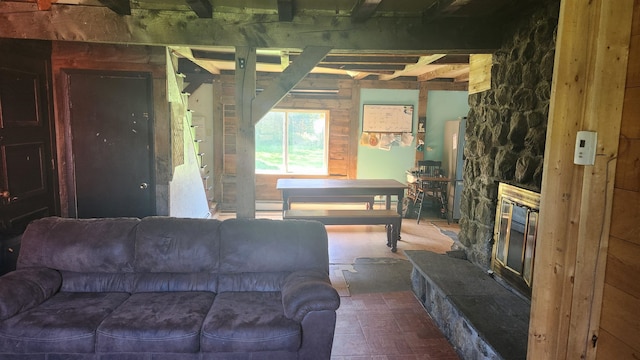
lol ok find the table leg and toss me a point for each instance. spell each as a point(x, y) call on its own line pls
point(399, 210)
point(285, 201)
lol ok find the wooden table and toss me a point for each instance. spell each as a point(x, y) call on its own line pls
point(341, 187)
point(295, 188)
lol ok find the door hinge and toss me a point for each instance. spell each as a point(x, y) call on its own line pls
point(594, 340)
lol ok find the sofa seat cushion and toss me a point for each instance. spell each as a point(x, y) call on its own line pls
point(167, 322)
point(65, 323)
point(249, 321)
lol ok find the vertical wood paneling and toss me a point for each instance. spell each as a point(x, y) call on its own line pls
point(576, 200)
point(623, 266)
point(620, 323)
point(625, 215)
point(620, 316)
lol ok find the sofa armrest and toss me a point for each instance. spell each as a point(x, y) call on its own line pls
point(305, 291)
point(26, 288)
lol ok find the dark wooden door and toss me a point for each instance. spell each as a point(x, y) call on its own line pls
point(26, 153)
point(111, 126)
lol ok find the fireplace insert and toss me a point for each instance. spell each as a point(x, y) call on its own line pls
point(515, 235)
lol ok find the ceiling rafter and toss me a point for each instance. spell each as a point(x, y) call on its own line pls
point(187, 53)
point(285, 10)
point(444, 69)
point(120, 7)
point(424, 60)
point(202, 8)
point(364, 9)
point(442, 7)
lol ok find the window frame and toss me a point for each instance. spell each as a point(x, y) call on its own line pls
point(285, 153)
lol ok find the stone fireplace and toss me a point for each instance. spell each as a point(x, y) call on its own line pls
point(506, 129)
point(515, 233)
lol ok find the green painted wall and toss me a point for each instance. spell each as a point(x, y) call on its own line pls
point(374, 163)
point(442, 106)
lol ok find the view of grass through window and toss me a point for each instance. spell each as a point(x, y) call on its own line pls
point(292, 142)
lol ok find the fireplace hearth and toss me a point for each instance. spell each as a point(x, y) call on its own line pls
point(515, 234)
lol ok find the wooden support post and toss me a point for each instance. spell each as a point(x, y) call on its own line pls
point(289, 78)
point(587, 94)
point(245, 139)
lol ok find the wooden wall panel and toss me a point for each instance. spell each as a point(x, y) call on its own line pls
point(630, 127)
point(623, 266)
point(620, 316)
point(625, 215)
point(613, 347)
point(619, 322)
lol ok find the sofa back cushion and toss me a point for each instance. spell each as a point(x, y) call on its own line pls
point(79, 245)
point(257, 254)
point(177, 254)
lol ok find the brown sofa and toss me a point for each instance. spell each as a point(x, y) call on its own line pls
point(169, 288)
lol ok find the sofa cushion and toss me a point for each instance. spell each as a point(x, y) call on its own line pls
point(156, 322)
point(177, 245)
point(24, 289)
point(249, 321)
point(66, 323)
point(269, 248)
point(79, 245)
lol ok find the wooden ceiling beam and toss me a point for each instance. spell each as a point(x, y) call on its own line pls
point(285, 10)
point(287, 80)
point(186, 53)
point(424, 60)
point(364, 9)
point(21, 20)
point(376, 59)
point(364, 67)
point(202, 8)
point(444, 7)
point(120, 7)
point(442, 71)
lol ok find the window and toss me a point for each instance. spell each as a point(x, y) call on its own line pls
point(292, 142)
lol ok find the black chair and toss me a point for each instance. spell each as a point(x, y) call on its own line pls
point(430, 185)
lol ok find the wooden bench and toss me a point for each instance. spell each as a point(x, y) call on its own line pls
point(390, 218)
point(367, 199)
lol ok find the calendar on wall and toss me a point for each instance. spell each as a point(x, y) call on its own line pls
point(387, 118)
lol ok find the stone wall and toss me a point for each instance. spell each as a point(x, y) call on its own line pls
point(506, 127)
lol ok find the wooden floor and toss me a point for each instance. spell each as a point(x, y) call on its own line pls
point(383, 326)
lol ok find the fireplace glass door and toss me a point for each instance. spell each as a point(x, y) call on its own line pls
point(515, 237)
point(516, 240)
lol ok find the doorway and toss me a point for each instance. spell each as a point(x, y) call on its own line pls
point(27, 165)
point(111, 126)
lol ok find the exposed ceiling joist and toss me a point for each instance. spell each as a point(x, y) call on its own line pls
point(285, 10)
point(120, 7)
point(289, 78)
point(364, 9)
point(424, 60)
point(158, 27)
point(444, 7)
point(444, 69)
point(186, 53)
point(202, 8)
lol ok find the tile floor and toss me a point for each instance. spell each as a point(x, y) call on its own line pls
point(384, 326)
